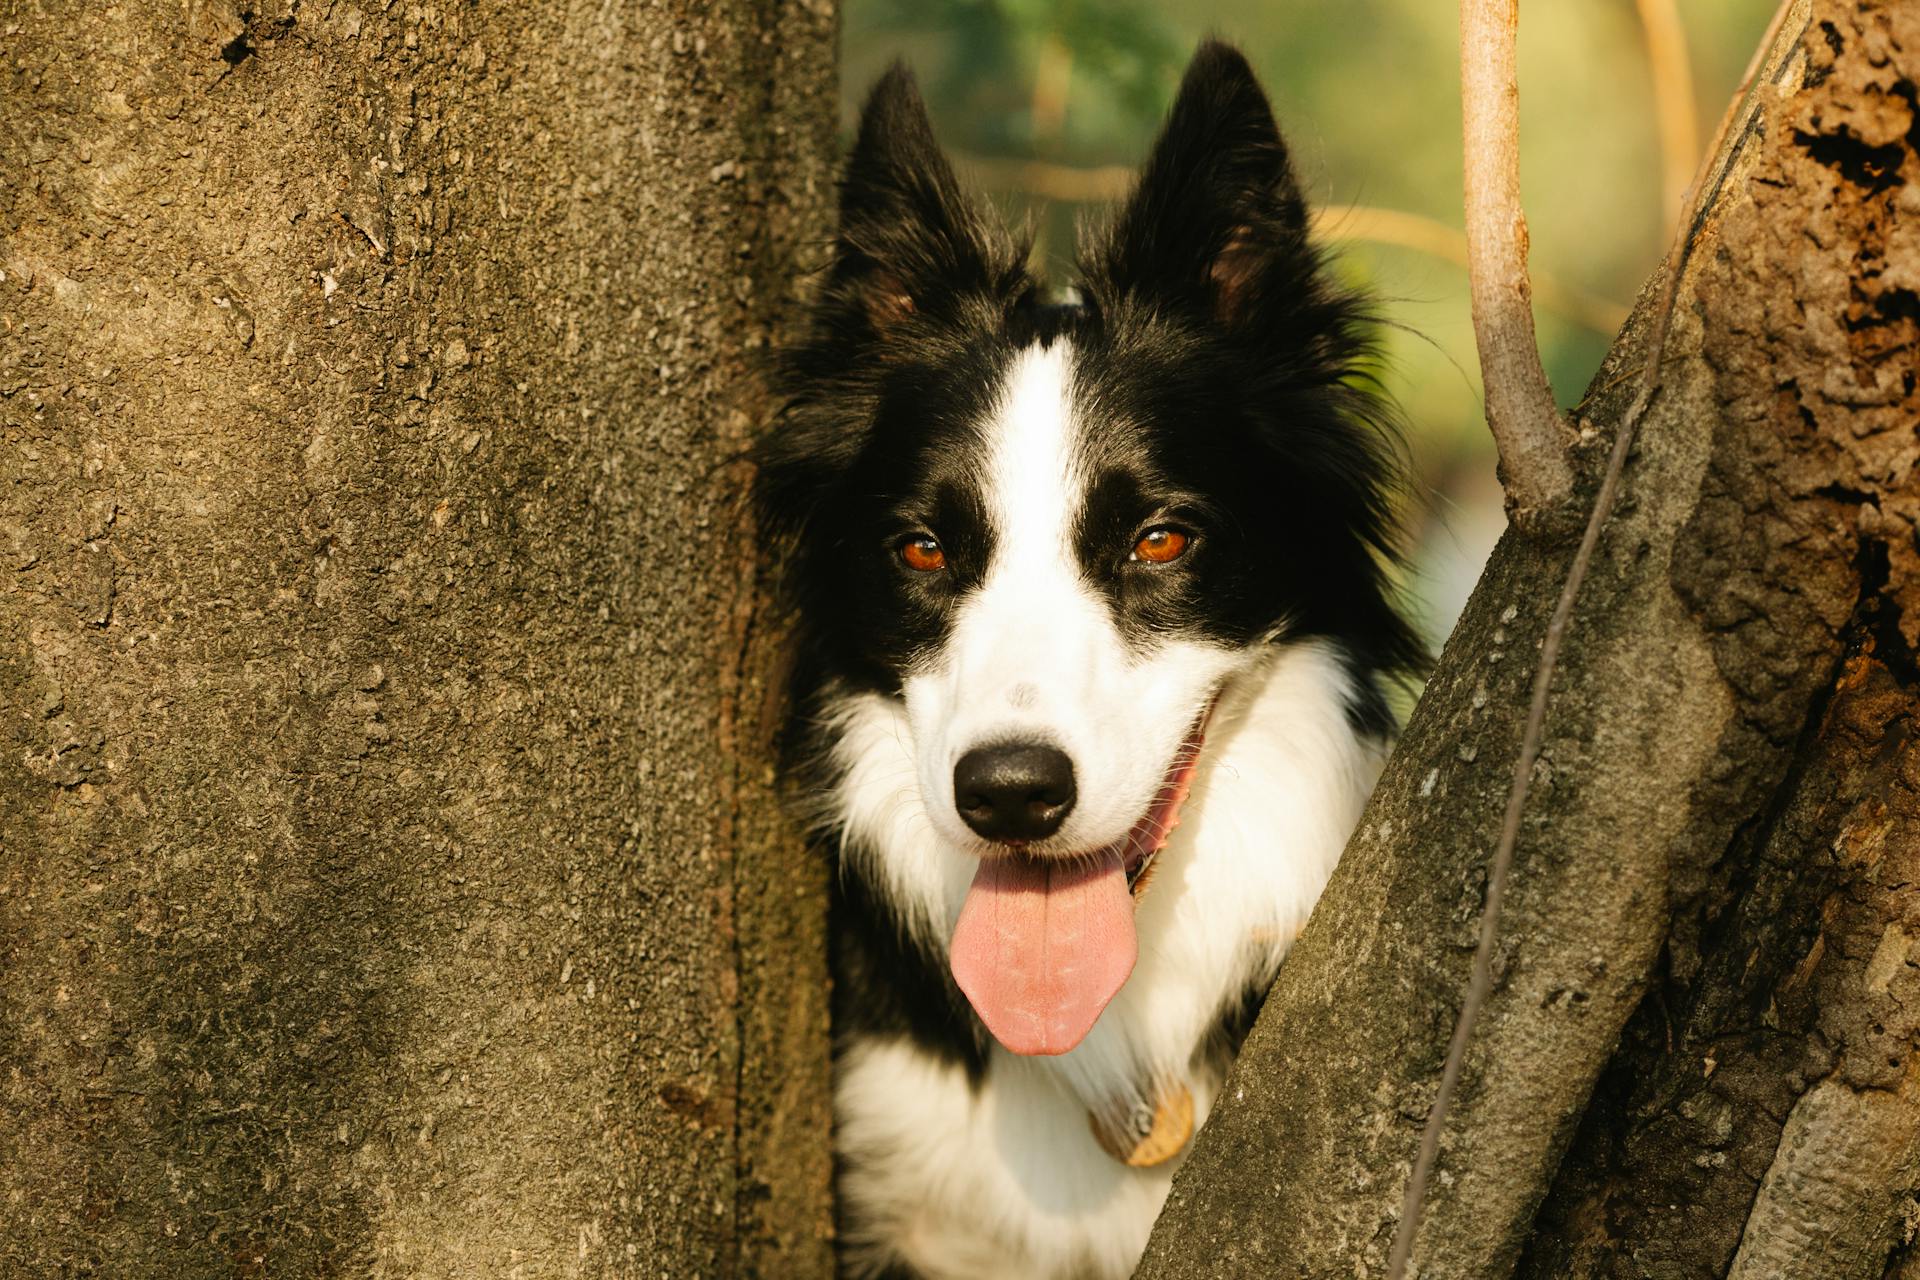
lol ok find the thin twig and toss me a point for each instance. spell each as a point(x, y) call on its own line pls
point(1373, 224)
point(1480, 983)
point(1672, 72)
point(1528, 431)
point(1435, 238)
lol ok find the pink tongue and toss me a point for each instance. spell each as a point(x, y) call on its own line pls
point(1042, 945)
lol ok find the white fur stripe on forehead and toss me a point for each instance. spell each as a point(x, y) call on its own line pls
point(1033, 485)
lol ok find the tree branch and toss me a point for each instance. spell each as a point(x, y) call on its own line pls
point(1528, 430)
point(1327, 1095)
point(1480, 982)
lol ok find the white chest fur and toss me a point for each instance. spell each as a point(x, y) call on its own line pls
point(1007, 1180)
point(1006, 1183)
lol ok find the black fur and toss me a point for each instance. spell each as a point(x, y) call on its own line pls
point(1232, 371)
point(1241, 372)
point(1230, 378)
point(885, 986)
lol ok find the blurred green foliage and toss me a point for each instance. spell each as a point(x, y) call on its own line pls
point(987, 53)
point(1367, 94)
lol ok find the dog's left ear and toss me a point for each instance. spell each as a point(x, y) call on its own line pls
point(1217, 214)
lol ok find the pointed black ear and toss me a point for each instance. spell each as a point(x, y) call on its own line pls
point(1217, 213)
point(908, 236)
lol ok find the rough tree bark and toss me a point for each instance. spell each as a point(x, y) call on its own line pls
point(390, 884)
point(1699, 1059)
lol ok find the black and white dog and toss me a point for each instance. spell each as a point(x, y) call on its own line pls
point(1068, 574)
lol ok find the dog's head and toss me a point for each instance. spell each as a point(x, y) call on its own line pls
point(1056, 531)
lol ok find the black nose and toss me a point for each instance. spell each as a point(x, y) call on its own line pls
point(1020, 791)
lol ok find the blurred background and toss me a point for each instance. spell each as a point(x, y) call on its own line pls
point(1046, 106)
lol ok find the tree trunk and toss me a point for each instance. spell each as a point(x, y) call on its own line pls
point(1711, 914)
point(390, 882)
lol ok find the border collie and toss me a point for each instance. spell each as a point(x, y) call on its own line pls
point(1094, 628)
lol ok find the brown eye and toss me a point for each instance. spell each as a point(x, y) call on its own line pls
point(923, 554)
point(1159, 546)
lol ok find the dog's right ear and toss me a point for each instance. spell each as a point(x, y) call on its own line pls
point(912, 252)
point(909, 238)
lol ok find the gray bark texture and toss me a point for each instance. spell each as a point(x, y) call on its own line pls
point(1699, 1056)
point(391, 884)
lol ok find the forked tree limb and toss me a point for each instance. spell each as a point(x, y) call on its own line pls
point(1649, 764)
point(1480, 981)
point(1532, 437)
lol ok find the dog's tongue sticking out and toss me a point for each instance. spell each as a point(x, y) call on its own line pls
point(1042, 945)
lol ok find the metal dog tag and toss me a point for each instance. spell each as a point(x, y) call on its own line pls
point(1142, 1140)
